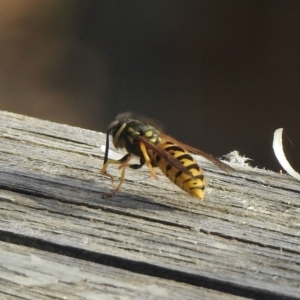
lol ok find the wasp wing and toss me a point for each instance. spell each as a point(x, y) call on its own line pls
point(163, 154)
point(193, 150)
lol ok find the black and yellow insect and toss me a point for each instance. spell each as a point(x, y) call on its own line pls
point(156, 149)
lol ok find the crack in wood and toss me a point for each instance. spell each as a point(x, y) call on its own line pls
point(142, 267)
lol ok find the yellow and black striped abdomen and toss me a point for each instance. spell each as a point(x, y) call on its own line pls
point(195, 184)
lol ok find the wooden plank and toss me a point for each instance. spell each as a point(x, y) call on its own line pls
point(28, 273)
point(243, 239)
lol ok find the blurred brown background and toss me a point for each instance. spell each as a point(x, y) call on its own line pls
point(221, 75)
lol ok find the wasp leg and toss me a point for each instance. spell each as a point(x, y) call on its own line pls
point(148, 160)
point(125, 158)
point(123, 166)
point(138, 166)
point(142, 162)
point(121, 161)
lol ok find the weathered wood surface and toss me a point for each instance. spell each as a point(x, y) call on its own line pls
point(242, 240)
point(35, 274)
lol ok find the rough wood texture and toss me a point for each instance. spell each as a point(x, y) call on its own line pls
point(150, 238)
point(35, 274)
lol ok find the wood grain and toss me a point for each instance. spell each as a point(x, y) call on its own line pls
point(243, 240)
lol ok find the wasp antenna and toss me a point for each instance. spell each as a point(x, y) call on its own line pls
point(107, 146)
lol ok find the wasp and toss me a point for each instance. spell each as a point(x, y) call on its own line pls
point(156, 149)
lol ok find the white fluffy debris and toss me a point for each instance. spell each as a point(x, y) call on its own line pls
point(235, 158)
point(112, 154)
point(117, 155)
point(279, 153)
